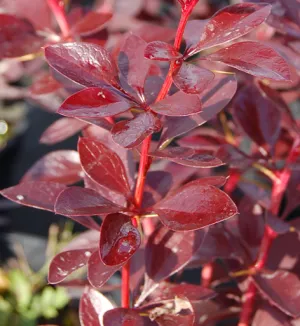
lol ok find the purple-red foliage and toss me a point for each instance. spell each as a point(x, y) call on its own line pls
point(171, 196)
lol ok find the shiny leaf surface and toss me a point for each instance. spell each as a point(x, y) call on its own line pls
point(103, 165)
point(193, 207)
point(86, 64)
point(78, 201)
point(192, 79)
point(161, 51)
point(125, 317)
point(94, 102)
point(179, 104)
point(255, 59)
point(61, 166)
point(119, 239)
point(131, 133)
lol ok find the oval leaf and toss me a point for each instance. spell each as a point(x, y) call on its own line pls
point(103, 165)
point(119, 239)
point(37, 194)
point(61, 166)
point(194, 207)
point(93, 102)
point(61, 129)
point(77, 201)
point(123, 316)
point(85, 63)
point(216, 96)
point(189, 157)
point(93, 305)
point(255, 59)
point(132, 132)
point(229, 24)
point(161, 51)
point(98, 273)
point(192, 79)
point(179, 104)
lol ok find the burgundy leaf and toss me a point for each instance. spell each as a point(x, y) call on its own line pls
point(189, 157)
point(195, 206)
point(125, 317)
point(179, 104)
point(132, 62)
point(268, 315)
point(192, 79)
point(253, 58)
point(125, 155)
point(78, 201)
point(74, 255)
point(282, 289)
point(175, 320)
point(60, 130)
point(66, 263)
point(85, 63)
point(94, 102)
point(229, 24)
point(161, 51)
point(166, 253)
point(61, 166)
point(44, 84)
point(17, 37)
point(103, 165)
point(218, 94)
point(38, 194)
point(252, 110)
point(119, 239)
point(93, 305)
point(91, 23)
point(217, 181)
point(98, 273)
point(168, 291)
point(131, 133)
point(192, 31)
point(234, 157)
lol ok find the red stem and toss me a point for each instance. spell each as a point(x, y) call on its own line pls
point(57, 7)
point(278, 189)
point(145, 161)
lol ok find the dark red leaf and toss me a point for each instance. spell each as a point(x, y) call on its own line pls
point(38, 194)
point(217, 181)
point(179, 104)
point(268, 315)
point(229, 24)
point(66, 263)
point(277, 224)
point(132, 63)
point(131, 133)
point(91, 23)
point(98, 273)
point(253, 58)
point(234, 157)
point(94, 103)
point(175, 320)
point(282, 289)
point(85, 63)
point(61, 166)
point(17, 37)
point(168, 291)
point(75, 255)
point(44, 84)
point(192, 31)
point(218, 94)
point(103, 165)
point(119, 239)
point(126, 156)
point(166, 253)
point(192, 79)
point(93, 305)
point(78, 201)
point(189, 157)
point(252, 110)
point(161, 51)
point(125, 317)
point(60, 130)
point(195, 206)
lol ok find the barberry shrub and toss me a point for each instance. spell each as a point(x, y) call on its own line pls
point(154, 179)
